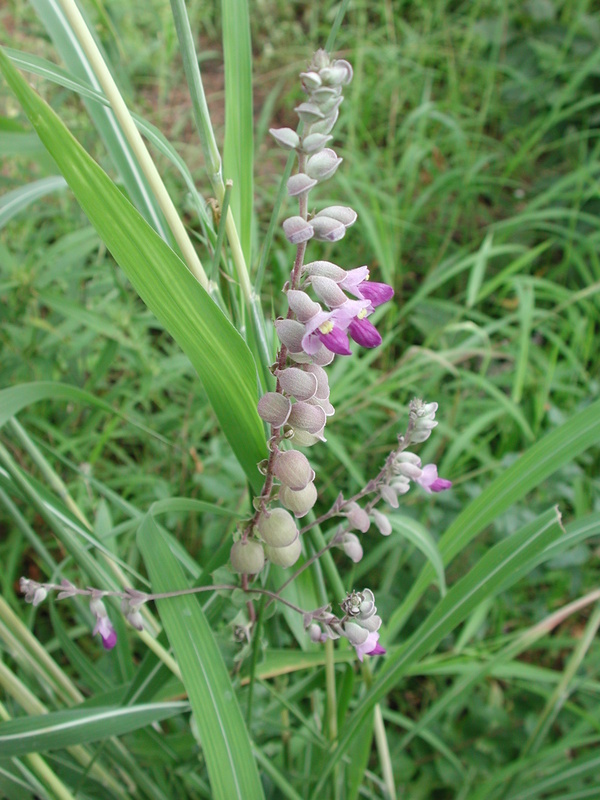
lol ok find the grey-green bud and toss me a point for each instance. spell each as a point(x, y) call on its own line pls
point(247, 558)
point(277, 528)
point(284, 556)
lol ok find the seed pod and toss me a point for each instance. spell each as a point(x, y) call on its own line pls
point(293, 470)
point(277, 528)
point(247, 558)
point(284, 556)
point(300, 503)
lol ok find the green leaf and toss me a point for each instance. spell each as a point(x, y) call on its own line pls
point(215, 348)
point(418, 535)
point(499, 568)
point(61, 729)
point(13, 202)
point(224, 738)
point(238, 153)
point(535, 465)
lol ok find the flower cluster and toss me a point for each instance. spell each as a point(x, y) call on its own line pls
point(36, 592)
point(402, 466)
point(360, 624)
point(311, 334)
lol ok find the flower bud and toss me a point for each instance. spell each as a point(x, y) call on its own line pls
point(293, 470)
point(310, 113)
point(400, 485)
point(315, 632)
point(315, 142)
point(326, 269)
point(297, 230)
point(326, 229)
point(303, 307)
point(338, 73)
point(274, 409)
point(307, 417)
point(310, 80)
point(323, 356)
point(357, 517)
point(300, 183)
point(247, 558)
point(290, 333)
point(320, 60)
point(300, 503)
point(355, 633)
point(389, 495)
point(382, 522)
point(305, 439)
point(39, 596)
point(324, 125)
point(322, 165)
point(408, 470)
point(352, 547)
point(328, 291)
point(277, 528)
point(410, 458)
point(285, 137)
point(322, 391)
point(372, 623)
point(297, 383)
point(344, 214)
point(284, 556)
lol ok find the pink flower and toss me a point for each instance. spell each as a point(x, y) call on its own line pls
point(370, 647)
point(329, 328)
point(357, 283)
point(107, 632)
point(430, 482)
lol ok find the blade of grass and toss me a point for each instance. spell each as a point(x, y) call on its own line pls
point(215, 348)
point(225, 741)
point(539, 461)
point(499, 568)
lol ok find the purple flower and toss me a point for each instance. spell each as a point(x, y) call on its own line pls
point(364, 332)
point(357, 283)
point(103, 625)
point(107, 633)
point(329, 328)
point(370, 647)
point(430, 482)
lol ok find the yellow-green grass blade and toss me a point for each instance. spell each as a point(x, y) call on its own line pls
point(61, 729)
point(535, 465)
point(224, 738)
point(499, 569)
point(238, 152)
point(217, 351)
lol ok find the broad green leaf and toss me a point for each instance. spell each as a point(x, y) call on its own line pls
point(60, 729)
point(542, 459)
point(215, 348)
point(15, 201)
point(224, 738)
point(499, 568)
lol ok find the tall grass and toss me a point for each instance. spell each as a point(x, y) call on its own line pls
point(470, 142)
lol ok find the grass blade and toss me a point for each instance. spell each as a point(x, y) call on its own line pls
point(215, 348)
point(225, 742)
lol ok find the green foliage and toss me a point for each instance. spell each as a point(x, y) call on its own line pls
point(469, 137)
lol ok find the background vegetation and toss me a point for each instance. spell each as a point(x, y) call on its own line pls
point(470, 139)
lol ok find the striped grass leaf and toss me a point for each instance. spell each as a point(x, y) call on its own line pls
point(499, 569)
point(75, 726)
point(224, 738)
point(535, 465)
point(217, 351)
point(238, 152)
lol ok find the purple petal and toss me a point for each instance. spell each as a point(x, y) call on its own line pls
point(353, 278)
point(364, 333)
point(377, 651)
point(377, 293)
point(336, 341)
point(440, 485)
point(108, 642)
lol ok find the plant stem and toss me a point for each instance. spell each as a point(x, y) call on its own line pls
point(134, 138)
